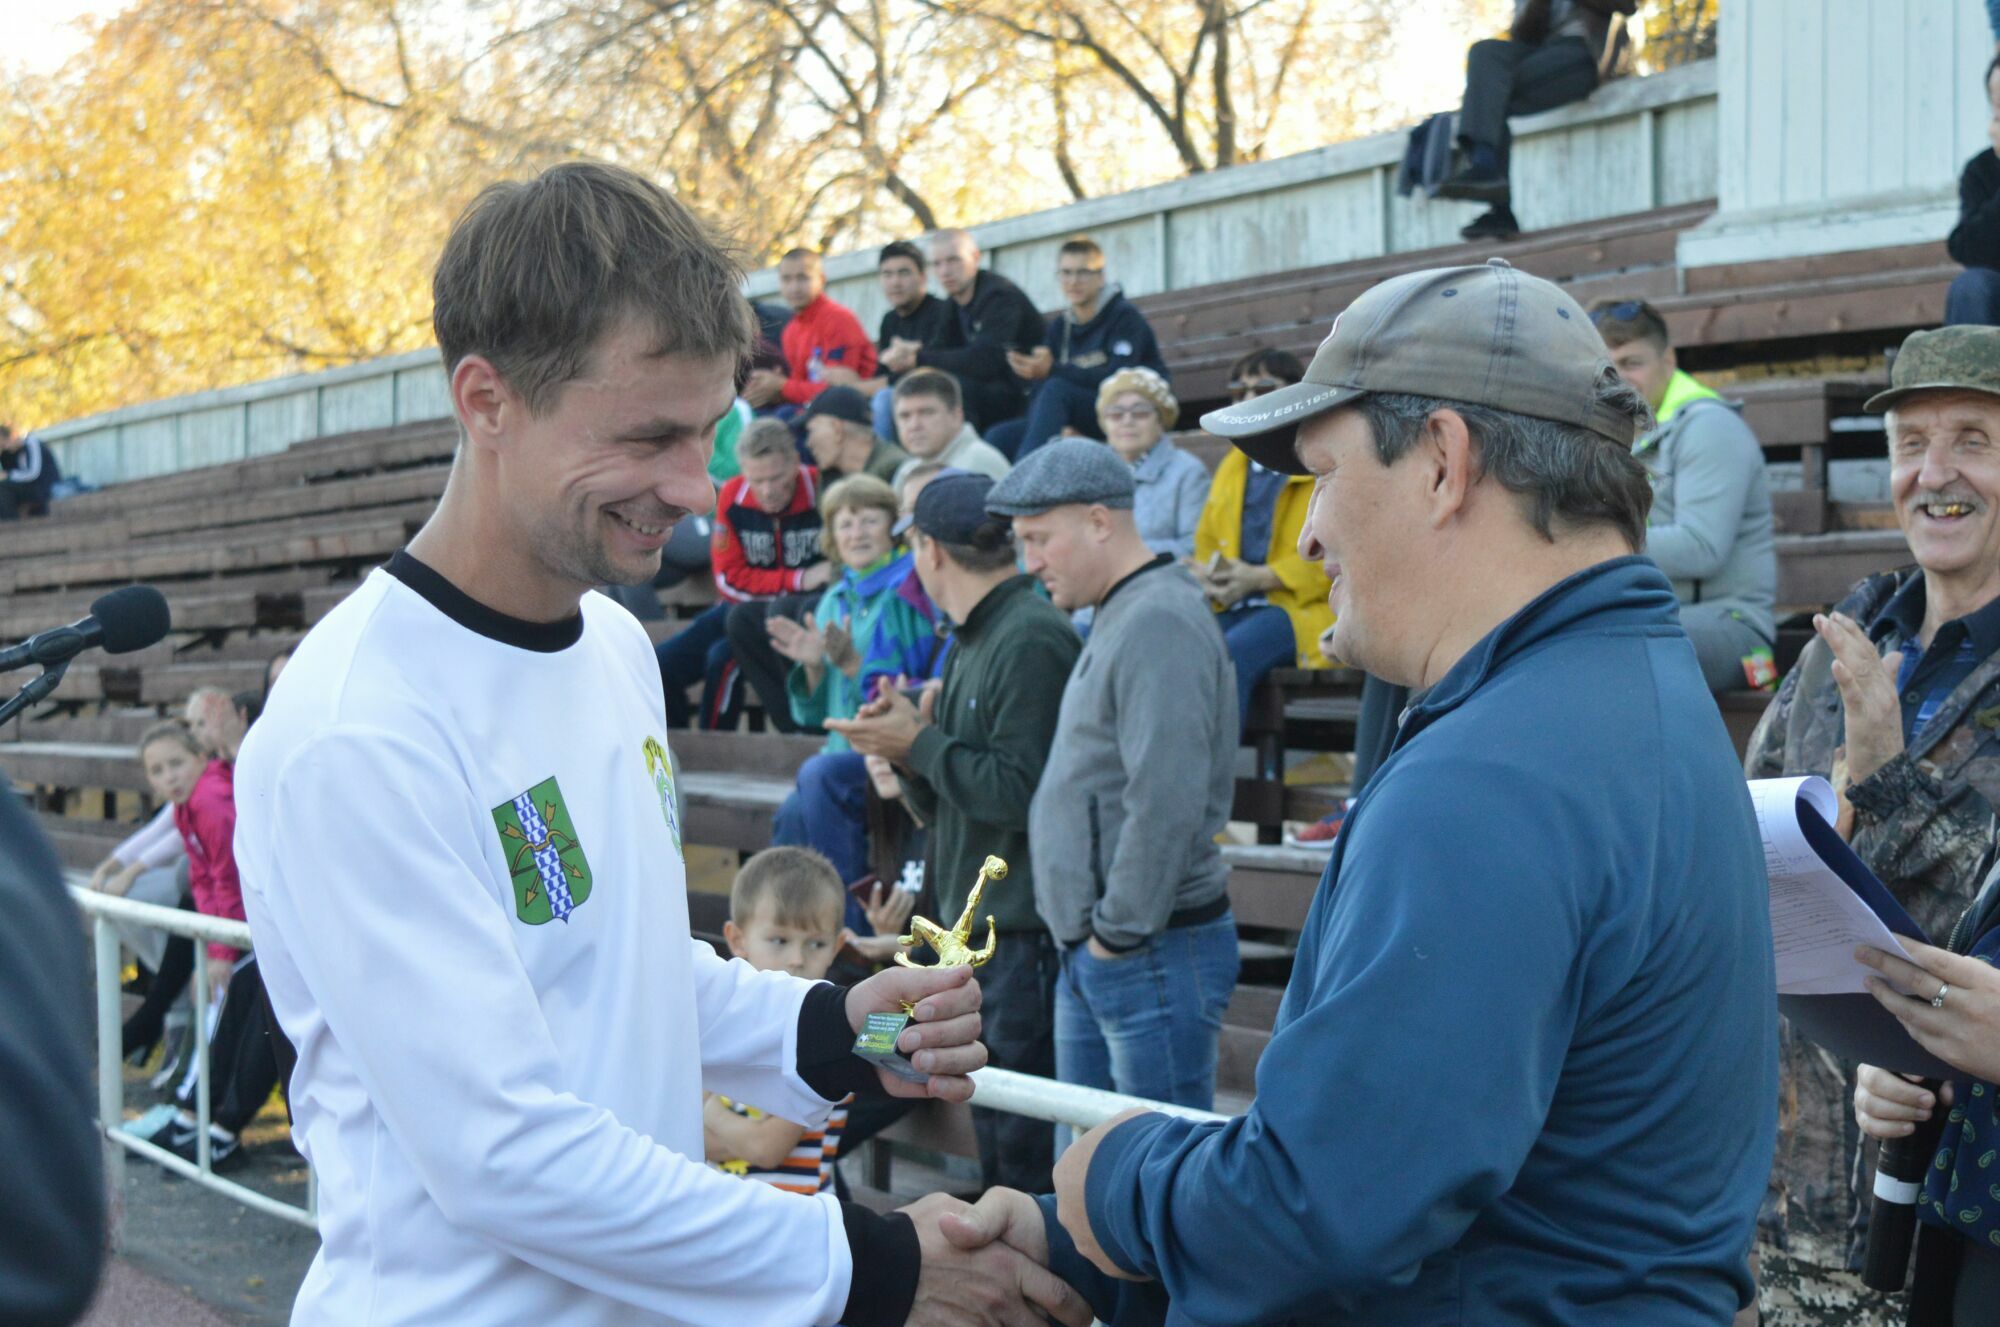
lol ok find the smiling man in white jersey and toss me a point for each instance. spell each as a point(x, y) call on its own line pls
point(463, 866)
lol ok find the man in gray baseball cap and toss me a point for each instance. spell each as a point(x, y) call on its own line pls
point(1137, 787)
point(1526, 1071)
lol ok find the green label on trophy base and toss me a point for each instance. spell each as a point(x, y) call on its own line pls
point(877, 1045)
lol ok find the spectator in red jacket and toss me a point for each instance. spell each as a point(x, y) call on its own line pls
point(820, 336)
point(766, 544)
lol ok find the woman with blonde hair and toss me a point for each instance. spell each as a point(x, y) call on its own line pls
point(1137, 409)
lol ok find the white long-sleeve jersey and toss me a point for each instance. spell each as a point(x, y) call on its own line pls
point(464, 879)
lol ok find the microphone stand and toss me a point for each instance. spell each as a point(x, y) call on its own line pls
point(35, 691)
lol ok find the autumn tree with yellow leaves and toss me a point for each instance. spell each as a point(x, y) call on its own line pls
point(217, 191)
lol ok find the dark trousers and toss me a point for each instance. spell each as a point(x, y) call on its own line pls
point(1056, 405)
point(1017, 1020)
point(700, 652)
point(1504, 78)
point(1382, 705)
point(1974, 299)
point(763, 668)
point(243, 1068)
point(149, 1020)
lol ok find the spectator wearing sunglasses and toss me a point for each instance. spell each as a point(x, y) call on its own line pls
point(1710, 529)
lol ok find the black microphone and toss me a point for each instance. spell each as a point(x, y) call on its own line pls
point(127, 619)
point(1900, 1165)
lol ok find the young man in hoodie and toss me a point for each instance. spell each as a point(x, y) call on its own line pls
point(1099, 333)
point(1710, 529)
point(1526, 1070)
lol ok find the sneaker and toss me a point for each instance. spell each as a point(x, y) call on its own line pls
point(1319, 834)
point(225, 1149)
point(1496, 224)
point(1479, 180)
point(154, 1123)
point(174, 1062)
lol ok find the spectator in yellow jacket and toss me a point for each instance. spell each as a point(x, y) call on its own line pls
point(1270, 603)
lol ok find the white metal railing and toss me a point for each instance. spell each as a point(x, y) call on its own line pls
point(999, 1089)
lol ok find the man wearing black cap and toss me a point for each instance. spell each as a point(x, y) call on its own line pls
point(1526, 1070)
point(840, 433)
point(970, 760)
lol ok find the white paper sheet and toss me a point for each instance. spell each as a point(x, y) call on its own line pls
point(1816, 920)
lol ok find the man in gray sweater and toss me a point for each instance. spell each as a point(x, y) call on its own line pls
point(1710, 528)
point(1127, 872)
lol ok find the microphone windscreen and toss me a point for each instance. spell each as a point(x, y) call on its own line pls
point(133, 617)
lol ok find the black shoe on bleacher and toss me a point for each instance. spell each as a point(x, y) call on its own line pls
point(1496, 224)
point(225, 1150)
point(1479, 180)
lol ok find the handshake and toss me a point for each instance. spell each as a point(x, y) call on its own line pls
point(987, 1263)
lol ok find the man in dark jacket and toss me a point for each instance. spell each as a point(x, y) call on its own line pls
point(1975, 241)
point(970, 760)
point(28, 475)
point(914, 314)
point(1099, 333)
point(53, 1208)
point(1526, 1069)
point(1550, 57)
point(994, 317)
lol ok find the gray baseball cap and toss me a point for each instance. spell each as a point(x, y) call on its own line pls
point(1488, 335)
point(1068, 470)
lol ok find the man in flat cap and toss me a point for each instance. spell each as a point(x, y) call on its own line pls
point(1526, 1070)
point(1127, 872)
point(1894, 701)
point(969, 761)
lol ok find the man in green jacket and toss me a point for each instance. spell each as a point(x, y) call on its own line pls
point(970, 759)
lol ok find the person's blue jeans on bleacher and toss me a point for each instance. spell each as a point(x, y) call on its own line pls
point(1259, 639)
point(1974, 298)
point(700, 652)
point(827, 811)
point(1056, 405)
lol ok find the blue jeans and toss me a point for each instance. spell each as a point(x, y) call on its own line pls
point(700, 652)
point(1146, 1023)
point(1259, 639)
point(884, 408)
point(1974, 299)
point(1056, 405)
point(828, 812)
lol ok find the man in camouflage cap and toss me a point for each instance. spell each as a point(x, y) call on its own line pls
point(1908, 730)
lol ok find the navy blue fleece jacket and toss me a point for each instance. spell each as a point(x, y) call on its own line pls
point(1526, 1070)
point(1116, 337)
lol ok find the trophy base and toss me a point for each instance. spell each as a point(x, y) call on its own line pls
point(877, 1045)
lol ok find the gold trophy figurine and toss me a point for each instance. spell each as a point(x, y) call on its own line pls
point(954, 947)
point(877, 1040)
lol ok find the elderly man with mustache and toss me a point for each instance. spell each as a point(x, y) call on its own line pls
point(1897, 701)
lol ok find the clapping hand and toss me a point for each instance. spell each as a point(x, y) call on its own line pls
point(887, 726)
point(901, 356)
point(763, 386)
point(1031, 365)
point(976, 1270)
point(1867, 683)
point(801, 643)
point(841, 651)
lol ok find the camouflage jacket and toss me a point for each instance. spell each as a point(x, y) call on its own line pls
point(1923, 823)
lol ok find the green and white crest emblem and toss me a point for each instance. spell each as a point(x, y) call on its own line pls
point(660, 769)
point(550, 873)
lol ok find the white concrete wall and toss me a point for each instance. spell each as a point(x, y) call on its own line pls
point(1637, 143)
point(1843, 124)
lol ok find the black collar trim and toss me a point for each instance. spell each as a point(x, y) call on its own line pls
point(462, 608)
point(1162, 560)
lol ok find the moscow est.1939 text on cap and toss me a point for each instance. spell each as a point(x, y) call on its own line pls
point(1488, 335)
